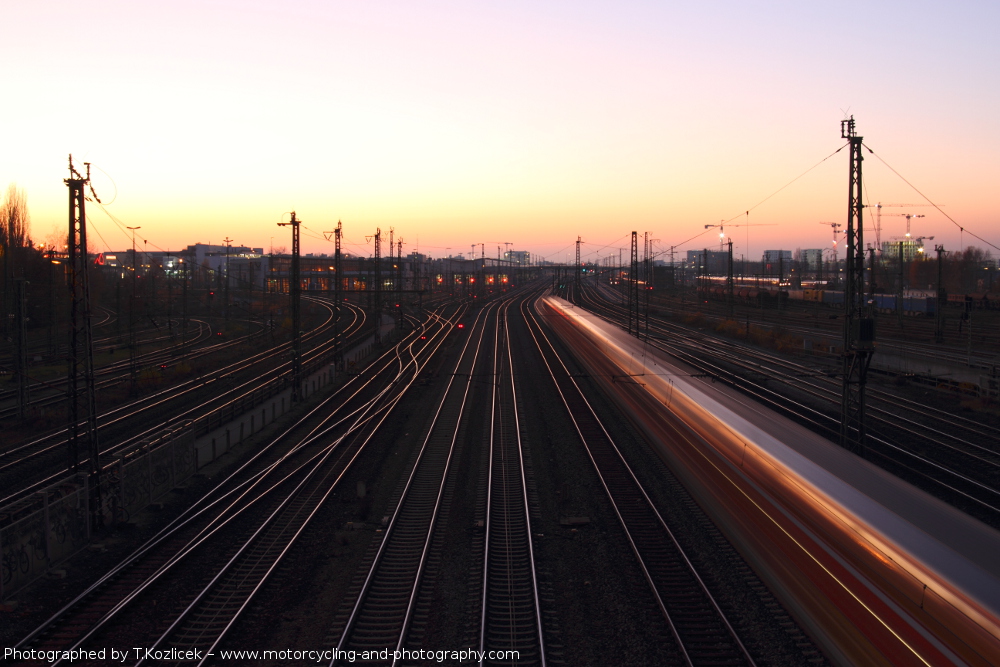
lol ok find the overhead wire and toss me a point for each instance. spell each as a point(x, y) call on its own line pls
point(928, 199)
point(112, 183)
point(607, 245)
point(747, 211)
point(107, 246)
point(674, 247)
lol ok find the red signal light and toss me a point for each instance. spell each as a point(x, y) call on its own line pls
point(461, 326)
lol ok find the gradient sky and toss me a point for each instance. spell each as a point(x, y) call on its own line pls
point(530, 122)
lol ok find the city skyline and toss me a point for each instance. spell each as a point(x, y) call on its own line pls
point(459, 123)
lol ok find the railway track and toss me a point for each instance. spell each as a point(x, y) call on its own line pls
point(20, 462)
point(916, 335)
point(202, 583)
point(953, 458)
point(385, 601)
point(511, 609)
point(52, 392)
point(701, 631)
point(269, 500)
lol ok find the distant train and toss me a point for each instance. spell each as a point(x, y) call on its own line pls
point(912, 304)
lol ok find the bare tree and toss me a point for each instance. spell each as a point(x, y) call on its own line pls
point(14, 218)
point(14, 222)
point(56, 238)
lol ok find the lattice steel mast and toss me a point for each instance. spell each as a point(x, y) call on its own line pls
point(338, 356)
point(294, 290)
point(81, 341)
point(859, 325)
point(577, 269)
point(377, 310)
point(633, 287)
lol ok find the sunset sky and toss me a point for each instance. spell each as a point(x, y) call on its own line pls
point(529, 122)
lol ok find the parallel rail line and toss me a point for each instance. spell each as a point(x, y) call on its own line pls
point(700, 629)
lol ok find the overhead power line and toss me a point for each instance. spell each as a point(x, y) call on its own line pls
point(939, 209)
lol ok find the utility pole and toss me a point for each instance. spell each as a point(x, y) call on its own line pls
point(81, 343)
point(338, 360)
point(250, 276)
point(392, 247)
point(621, 264)
point(899, 291)
point(21, 340)
point(185, 278)
point(225, 287)
point(577, 269)
point(729, 280)
point(633, 288)
point(133, 343)
point(647, 280)
point(704, 284)
point(338, 269)
point(472, 256)
point(941, 297)
point(378, 285)
point(673, 272)
point(510, 263)
point(399, 264)
point(859, 326)
point(52, 308)
point(170, 300)
point(871, 275)
point(399, 281)
point(295, 286)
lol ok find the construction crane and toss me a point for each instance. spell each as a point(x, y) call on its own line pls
point(920, 242)
point(835, 226)
point(722, 233)
point(908, 217)
point(878, 219)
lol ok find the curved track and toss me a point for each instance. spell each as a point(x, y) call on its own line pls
point(270, 500)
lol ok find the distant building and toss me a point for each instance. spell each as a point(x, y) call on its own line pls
point(911, 250)
point(200, 251)
point(777, 262)
point(717, 261)
point(113, 258)
point(811, 259)
point(519, 257)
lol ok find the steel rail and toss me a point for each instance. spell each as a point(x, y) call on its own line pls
point(398, 528)
point(217, 522)
point(127, 412)
point(514, 531)
point(623, 484)
point(828, 423)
